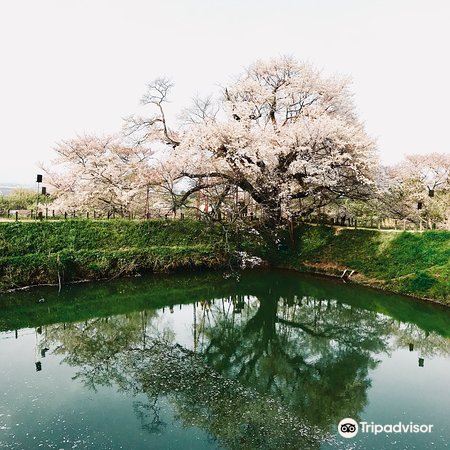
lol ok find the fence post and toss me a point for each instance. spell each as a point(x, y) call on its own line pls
point(17, 216)
point(65, 215)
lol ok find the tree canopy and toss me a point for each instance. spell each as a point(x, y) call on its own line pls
point(283, 133)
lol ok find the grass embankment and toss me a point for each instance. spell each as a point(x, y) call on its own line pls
point(31, 253)
point(40, 253)
point(416, 264)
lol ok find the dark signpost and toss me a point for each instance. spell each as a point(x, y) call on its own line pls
point(38, 181)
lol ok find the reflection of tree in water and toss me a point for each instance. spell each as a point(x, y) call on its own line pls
point(429, 344)
point(124, 352)
point(263, 371)
point(237, 416)
point(149, 414)
point(314, 355)
point(93, 345)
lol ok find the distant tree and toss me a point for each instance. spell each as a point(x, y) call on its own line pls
point(18, 199)
point(424, 174)
point(418, 188)
point(102, 173)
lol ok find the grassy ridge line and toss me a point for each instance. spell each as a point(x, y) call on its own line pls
point(416, 264)
point(18, 239)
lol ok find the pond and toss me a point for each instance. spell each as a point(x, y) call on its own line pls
point(264, 359)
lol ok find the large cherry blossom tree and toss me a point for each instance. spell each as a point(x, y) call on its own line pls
point(282, 133)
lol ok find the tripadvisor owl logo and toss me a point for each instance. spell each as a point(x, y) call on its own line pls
point(348, 427)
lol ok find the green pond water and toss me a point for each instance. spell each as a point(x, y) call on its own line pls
point(267, 360)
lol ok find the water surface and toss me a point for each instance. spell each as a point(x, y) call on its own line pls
point(269, 360)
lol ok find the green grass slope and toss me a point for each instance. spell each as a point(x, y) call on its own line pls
point(416, 264)
point(44, 252)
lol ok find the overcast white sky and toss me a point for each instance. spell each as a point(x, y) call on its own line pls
point(78, 66)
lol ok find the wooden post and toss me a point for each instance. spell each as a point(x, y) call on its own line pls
point(65, 215)
point(17, 216)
